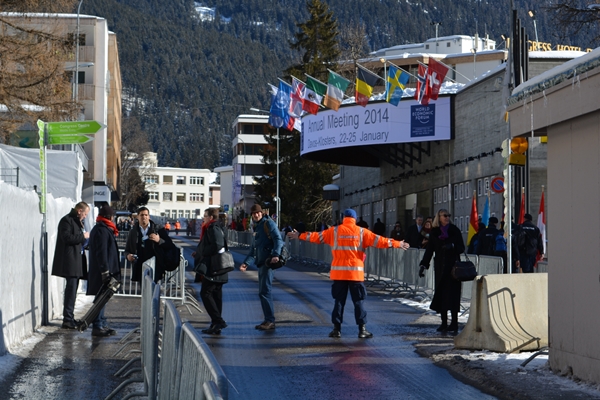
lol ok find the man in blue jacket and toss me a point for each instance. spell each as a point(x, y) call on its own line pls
point(265, 249)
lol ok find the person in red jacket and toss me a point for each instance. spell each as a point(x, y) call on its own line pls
point(348, 243)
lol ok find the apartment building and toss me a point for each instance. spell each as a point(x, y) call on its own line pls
point(176, 192)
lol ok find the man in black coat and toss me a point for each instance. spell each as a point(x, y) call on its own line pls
point(379, 228)
point(530, 244)
point(69, 258)
point(487, 240)
point(142, 243)
point(104, 263)
point(413, 234)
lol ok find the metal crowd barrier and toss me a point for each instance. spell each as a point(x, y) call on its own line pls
point(149, 327)
point(239, 239)
point(171, 334)
point(197, 365)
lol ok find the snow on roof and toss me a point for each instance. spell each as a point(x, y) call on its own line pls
point(556, 75)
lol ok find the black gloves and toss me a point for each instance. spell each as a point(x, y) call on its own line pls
point(422, 271)
point(105, 277)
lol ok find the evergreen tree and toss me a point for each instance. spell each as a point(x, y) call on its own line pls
point(301, 181)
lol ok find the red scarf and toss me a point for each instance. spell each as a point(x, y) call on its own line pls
point(205, 228)
point(108, 223)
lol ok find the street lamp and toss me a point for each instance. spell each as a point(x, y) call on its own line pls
point(532, 15)
point(243, 179)
point(277, 200)
point(75, 92)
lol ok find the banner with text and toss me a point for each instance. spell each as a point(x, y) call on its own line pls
point(378, 123)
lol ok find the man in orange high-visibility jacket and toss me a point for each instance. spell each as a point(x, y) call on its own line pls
point(348, 243)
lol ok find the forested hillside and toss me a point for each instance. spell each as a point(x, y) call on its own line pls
point(186, 78)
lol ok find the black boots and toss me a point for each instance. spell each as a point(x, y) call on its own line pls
point(336, 332)
point(363, 333)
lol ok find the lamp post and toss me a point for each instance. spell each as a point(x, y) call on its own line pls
point(532, 15)
point(277, 200)
point(243, 173)
point(75, 91)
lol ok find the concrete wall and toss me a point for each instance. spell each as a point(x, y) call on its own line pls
point(21, 260)
point(569, 113)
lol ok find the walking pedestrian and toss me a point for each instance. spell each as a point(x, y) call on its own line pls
point(104, 263)
point(348, 242)
point(529, 240)
point(69, 258)
point(265, 249)
point(413, 234)
point(212, 242)
point(445, 240)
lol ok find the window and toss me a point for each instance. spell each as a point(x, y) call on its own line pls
point(427, 46)
point(180, 214)
point(467, 223)
point(151, 179)
point(173, 213)
point(486, 186)
point(153, 196)
point(167, 180)
point(456, 223)
point(196, 180)
point(467, 189)
point(180, 196)
point(445, 193)
point(167, 196)
point(434, 196)
point(455, 192)
point(461, 191)
point(461, 225)
point(181, 180)
point(187, 214)
point(196, 197)
point(448, 44)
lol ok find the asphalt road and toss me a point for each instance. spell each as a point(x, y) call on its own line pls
point(298, 360)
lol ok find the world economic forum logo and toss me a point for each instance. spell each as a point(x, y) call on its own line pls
point(422, 120)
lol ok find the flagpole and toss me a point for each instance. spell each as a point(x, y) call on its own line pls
point(402, 69)
point(449, 67)
point(348, 80)
point(367, 70)
point(313, 78)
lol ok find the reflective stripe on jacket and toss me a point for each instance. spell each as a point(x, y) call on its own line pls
point(348, 243)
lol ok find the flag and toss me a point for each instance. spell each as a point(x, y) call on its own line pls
point(280, 103)
point(313, 94)
point(436, 72)
point(365, 81)
point(395, 84)
point(296, 98)
point(485, 217)
point(336, 86)
point(522, 209)
point(420, 94)
point(473, 223)
point(541, 224)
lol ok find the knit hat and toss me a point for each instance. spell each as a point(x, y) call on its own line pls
point(350, 213)
point(493, 220)
point(106, 211)
point(256, 208)
point(528, 217)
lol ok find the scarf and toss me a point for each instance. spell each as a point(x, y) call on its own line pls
point(205, 227)
point(108, 223)
point(444, 230)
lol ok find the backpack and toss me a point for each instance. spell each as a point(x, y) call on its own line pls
point(500, 243)
point(285, 253)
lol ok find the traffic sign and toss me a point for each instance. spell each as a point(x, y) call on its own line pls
point(71, 139)
point(497, 184)
point(73, 128)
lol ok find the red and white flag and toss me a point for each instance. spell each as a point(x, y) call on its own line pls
point(420, 94)
point(296, 98)
point(541, 224)
point(436, 72)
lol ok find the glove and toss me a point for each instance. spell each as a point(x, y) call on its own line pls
point(422, 272)
point(105, 277)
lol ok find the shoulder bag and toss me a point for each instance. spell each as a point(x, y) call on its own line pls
point(464, 271)
point(222, 263)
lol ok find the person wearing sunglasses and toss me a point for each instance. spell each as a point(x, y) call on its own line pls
point(446, 242)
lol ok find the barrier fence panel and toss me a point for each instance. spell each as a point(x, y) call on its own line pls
point(167, 384)
point(197, 365)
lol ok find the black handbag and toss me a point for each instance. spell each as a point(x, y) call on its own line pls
point(283, 258)
point(464, 271)
point(222, 263)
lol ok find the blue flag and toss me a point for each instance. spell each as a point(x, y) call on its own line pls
point(485, 217)
point(280, 105)
point(395, 84)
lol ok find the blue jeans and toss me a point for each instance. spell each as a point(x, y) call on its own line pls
point(265, 283)
point(100, 321)
point(358, 293)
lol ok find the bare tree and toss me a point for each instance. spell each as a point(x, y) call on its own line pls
point(353, 42)
point(33, 83)
point(576, 16)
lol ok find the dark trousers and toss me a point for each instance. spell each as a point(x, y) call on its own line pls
point(69, 300)
point(358, 293)
point(212, 298)
point(527, 262)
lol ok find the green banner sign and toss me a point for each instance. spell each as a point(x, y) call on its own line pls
point(71, 139)
point(74, 127)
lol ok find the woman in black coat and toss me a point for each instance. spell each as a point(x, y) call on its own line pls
point(445, 240)
point(104, 262)
point(212, 242)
